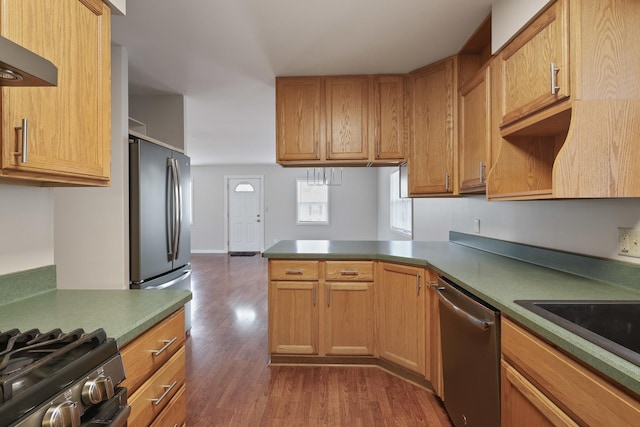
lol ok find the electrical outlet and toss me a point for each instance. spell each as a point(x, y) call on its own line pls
point(476, 226)
point(629, 242)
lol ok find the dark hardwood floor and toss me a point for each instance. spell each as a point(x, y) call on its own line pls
point(229, 380)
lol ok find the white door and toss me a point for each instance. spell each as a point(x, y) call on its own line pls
point(246, 225)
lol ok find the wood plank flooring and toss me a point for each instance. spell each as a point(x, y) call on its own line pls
point(229, 381)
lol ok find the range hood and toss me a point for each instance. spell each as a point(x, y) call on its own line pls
point(21, 67)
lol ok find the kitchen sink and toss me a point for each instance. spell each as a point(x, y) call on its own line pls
point(613, 325)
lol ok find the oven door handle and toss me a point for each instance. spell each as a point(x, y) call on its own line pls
point(478, 323)
point(120, 419)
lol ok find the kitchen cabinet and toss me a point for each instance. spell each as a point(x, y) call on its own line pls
point(569, 104)
point(347, 117)
point(389, 135)
point(298, 110)
point(293, 307)
point(546, 387)
point(432, 162)
point(433, 353)
point(155, 366)
point(475, 107)
point(355, 120)
point(349, 310)
point(67, 139)
point(402, 316)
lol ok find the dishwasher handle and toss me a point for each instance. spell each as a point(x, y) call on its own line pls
point(483, 325)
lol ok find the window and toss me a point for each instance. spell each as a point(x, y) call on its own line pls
point(401, 215)
point(313, 203)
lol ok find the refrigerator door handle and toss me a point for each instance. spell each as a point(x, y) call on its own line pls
point(174, 210)
point(179, 207)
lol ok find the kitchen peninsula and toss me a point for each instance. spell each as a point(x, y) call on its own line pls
point(495, 271)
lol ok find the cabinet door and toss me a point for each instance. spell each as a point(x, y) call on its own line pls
point(402, 319)
point(298, 118)
point(475, 133)
point(68, 125)
point(349, 318)
point(521, 401)
point(347, 117)
point(535, 65)
point(430, 165)
point(293, 317)
point(388, 122)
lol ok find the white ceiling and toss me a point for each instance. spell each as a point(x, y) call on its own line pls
point(223, 56)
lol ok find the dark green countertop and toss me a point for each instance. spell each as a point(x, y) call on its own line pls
point(497, 279)
point(123, 314)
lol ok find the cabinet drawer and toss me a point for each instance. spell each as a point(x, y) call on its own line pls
point(175, 414)
point(293, 270)
point(349, 270)
point(149, 351)
point(155, 394)
point(586, 396)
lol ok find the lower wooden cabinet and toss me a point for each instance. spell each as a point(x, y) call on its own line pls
point(542, 386)
point(402, 316)
point(154, 365)
point(293, 317)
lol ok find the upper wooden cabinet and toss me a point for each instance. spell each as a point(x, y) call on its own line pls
point(569, 100)
point(432, 93)
point(535, 66)
point(474, 117)
point(389, 136)
point(340, 120)
point(69, 126)
point(298, 131)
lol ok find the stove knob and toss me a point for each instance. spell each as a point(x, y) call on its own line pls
point(66, 414)
point(97, 390)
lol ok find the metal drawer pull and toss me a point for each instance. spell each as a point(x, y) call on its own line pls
point(349, 272)
point(168, 388)
point(293, 272)
point(25, 141)
point(166, 346)
point(554, 85)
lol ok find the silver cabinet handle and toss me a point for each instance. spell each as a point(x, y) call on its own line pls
point(165, 347)
point(418, 283)
point(481, 172)
point(25, 141)
point(554, 87)
point(296, 272)
point(378, 149)
point(314, 295)
point(328, 296)
point(315, 150)
point(167, 390)
point(446, 181)
point(349, 272)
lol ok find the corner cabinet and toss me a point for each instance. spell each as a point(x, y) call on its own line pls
point(431, 166)
point(402, 316)
point(69, 126)
point(569, 104)
point(155, 366)
point(546, 387)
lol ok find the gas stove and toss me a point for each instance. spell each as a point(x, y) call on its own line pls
point(61, 379)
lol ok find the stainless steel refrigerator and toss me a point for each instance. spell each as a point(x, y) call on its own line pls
point(159, 217)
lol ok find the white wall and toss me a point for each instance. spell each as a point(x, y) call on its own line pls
point(26, 218)
point(582, 226)
point(353, 206)
point(92, 224)
point(163, 115)
point(508, 16)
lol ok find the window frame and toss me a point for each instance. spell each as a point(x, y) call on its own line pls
point(304, 181)
point(394, 201)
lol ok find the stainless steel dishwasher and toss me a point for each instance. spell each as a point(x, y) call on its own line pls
point(470, 330)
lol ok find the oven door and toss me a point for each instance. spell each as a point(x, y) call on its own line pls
point(114, 412)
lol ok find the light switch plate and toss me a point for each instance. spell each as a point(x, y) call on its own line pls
point(629, 242)
point(476, 226)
